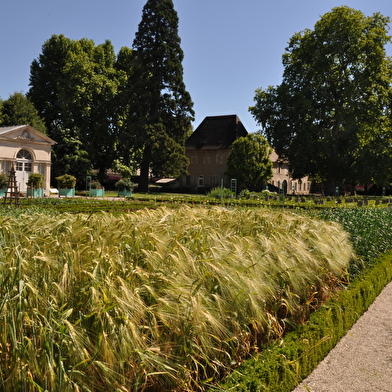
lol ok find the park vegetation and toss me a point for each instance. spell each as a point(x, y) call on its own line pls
point(249, 162)
point(155, 300)
point(100, 107)
point(330, 118)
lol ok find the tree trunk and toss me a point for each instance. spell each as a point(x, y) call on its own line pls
point(144, 170)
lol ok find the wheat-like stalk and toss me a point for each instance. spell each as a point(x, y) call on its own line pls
point(154, 300)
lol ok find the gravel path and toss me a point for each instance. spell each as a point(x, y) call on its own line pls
point(362, 360)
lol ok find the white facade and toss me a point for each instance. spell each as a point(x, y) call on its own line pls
point(28, 150)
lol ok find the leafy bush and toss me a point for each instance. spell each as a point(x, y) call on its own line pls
point(66, 181)
point(125, 184)
point(3, 181)
point(95, 184)
point(36, 180)
point(220, 192)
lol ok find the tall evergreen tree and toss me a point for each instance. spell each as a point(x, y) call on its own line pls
point(162, 109)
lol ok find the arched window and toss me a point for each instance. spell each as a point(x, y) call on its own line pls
point(23, 154)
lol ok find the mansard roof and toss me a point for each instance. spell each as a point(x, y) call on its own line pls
point(216, 132)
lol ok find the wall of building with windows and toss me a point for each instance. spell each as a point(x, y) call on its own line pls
point(28, 151)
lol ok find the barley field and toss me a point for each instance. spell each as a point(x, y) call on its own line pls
point(155, 300)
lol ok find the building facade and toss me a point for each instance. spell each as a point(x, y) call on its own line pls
point(208, 148)
point(28, 151)
point(282, 181)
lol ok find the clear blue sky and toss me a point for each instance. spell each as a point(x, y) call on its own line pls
point(231, 47)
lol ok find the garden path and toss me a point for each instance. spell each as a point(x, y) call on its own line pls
point(362, 360)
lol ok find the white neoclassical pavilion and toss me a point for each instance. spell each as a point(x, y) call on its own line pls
point(28, 150)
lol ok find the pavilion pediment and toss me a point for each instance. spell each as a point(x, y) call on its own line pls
point(24, 133)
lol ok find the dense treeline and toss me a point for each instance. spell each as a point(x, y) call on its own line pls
point(103, 108)
point(331, 115)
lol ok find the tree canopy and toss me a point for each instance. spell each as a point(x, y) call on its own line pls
point(131, 108)
point(162, 108)
point(73, 85)
point(19, 110)
point(331, 116)
point(249, 161)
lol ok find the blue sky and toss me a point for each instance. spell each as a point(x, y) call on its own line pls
point(231, 47)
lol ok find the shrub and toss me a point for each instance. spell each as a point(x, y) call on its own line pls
point(36, 180)
point(3, 181)
point(125, 184)
point(95, 185)
point(245, 193)
point(66, 181)
point(220, 192)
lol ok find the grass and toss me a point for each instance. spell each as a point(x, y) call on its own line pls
point(156, 300)
point(369, 229)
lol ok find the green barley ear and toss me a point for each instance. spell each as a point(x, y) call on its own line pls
point(165, 298)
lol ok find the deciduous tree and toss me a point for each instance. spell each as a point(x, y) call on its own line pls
point(73, 85)
point(19, 110)
point(47, 78)
point(331, 116)
point(249, 161)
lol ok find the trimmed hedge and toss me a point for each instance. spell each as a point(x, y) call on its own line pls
point(282, 365)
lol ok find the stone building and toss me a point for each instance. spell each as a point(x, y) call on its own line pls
point(208, 148)
point(28, 150)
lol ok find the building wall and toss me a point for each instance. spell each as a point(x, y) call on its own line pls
point(281, 173)
point(40, 151)
point(207, 168)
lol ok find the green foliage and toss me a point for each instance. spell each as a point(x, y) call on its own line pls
point(69, 155)
point(370, 231)
point(134, 109)
point(220, 192)
point(91, 88)
point(74, 85)
point(155, 297)
point(124, 170)
point(66, 181)
point(161, 103)
point(47, 78)
point(19, 110)
point(249, 161)
point(3, 181)
point(331, 116)
point(95, 184)
point(285, 363)
point(36, 180)
point(125, 184)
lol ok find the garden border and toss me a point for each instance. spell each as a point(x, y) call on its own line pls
point(282, 365)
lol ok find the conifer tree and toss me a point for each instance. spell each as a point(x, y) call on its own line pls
point(162, 111)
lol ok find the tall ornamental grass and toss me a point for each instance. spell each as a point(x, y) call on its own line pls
point(163, 300)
